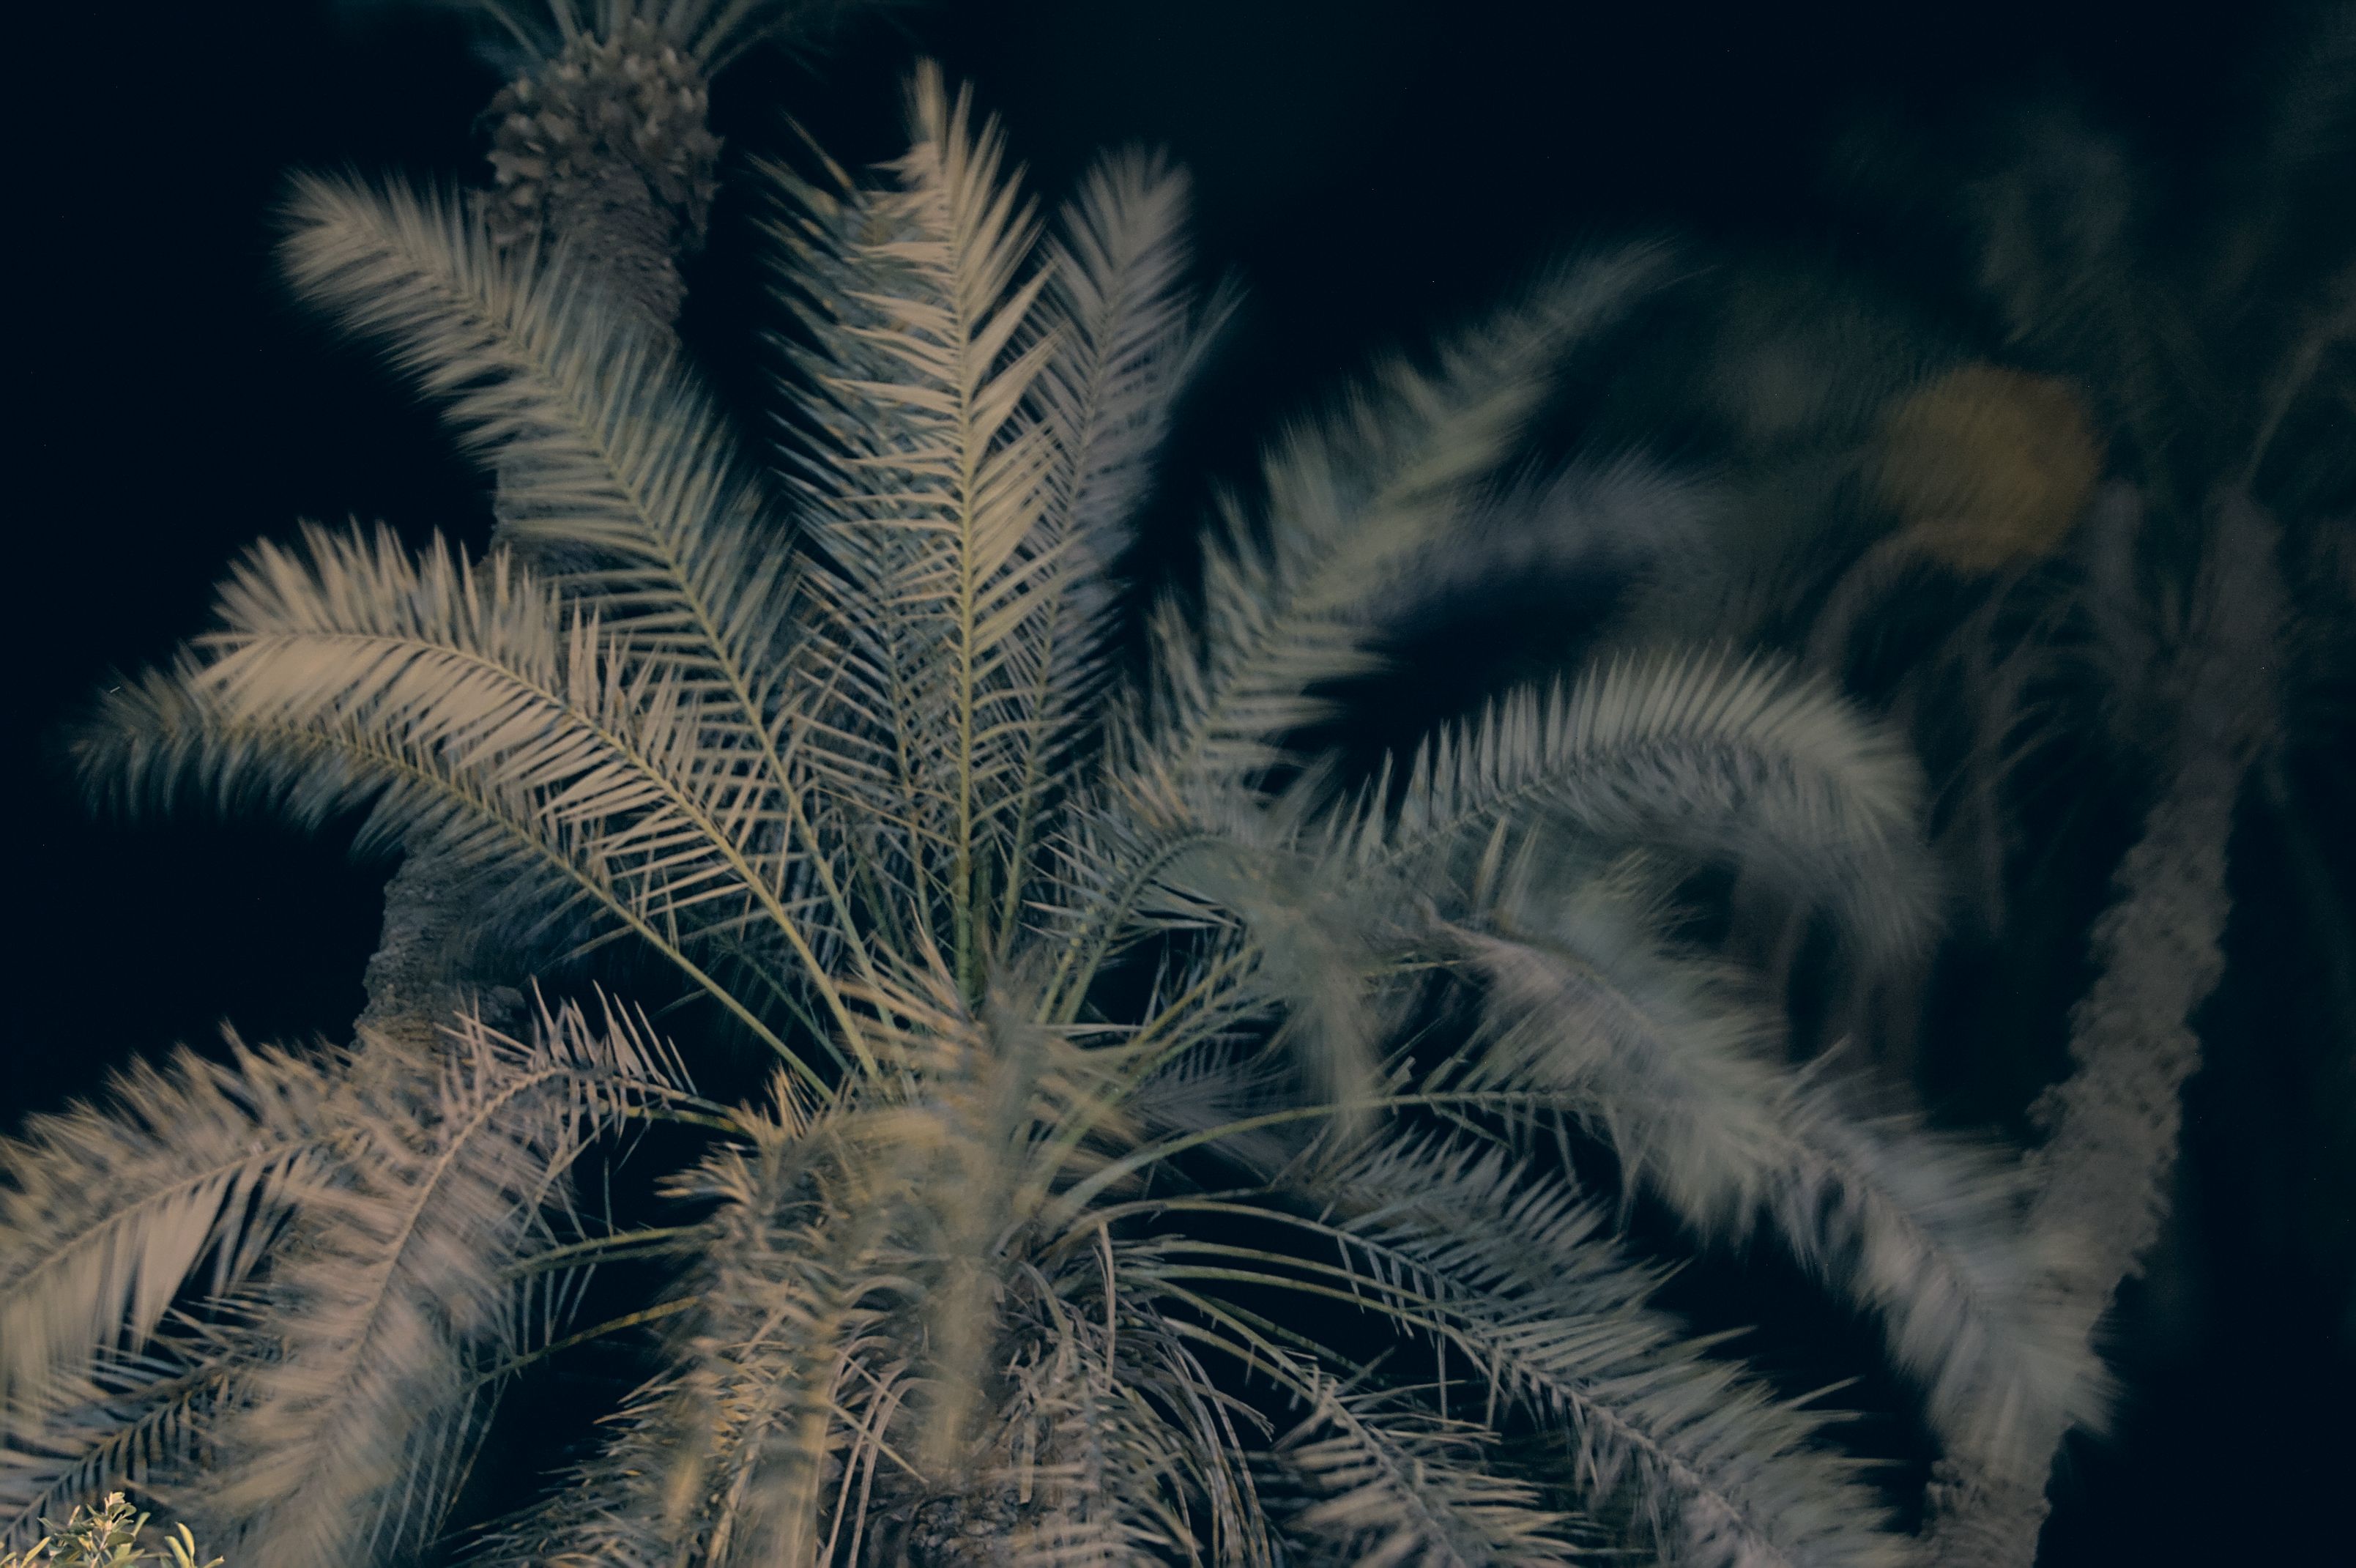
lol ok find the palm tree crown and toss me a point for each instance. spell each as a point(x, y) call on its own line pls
point(1160, 1160)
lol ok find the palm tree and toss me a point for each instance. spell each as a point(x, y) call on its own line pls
point(1158, 1153)
point(603, 135)
point(2201, 389)
point(2095, 508)
point(601, 141)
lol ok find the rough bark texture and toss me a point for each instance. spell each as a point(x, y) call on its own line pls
point(605, 149)
point(415, 981)
point(2101, 1179)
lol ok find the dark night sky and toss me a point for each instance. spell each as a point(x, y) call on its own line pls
point(1370, 167)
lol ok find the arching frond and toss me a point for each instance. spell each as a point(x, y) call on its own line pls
point(606, 446)
point(106, 1220)
point(1350, 499)
point(1668, 1064)
point(1399, 1486)
point(1596, 517)
point(1511, 1271)
point(603, 438)
point(393, 1279)
point(1728, 759)
point(131, 1420)
point(473, 709)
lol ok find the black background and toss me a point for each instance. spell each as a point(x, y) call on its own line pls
point(1371, 167)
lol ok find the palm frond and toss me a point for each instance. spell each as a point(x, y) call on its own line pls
point(604, 443)
point(1397, 1486)
point(105, 1218)
point(1001, 1280)
point(1318, 960)
point(1598, 516)
point(1350, 501)
point(936, 525)
point(133, 1419)
point(1125, 330)
point(394, 1278)
point(608, 448)
point(1128, 326)
point(1516, 1274)
point(598, 1511)
point(1729, 761)
point(472, 709)
point(732, 1451)
point(1924, 1231)
point(1120, 1445)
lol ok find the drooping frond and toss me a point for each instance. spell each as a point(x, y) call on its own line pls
point(1349, 501)
point(1664, 1058)
point(1667, 1057)
point(825, 1338)
point(1397, 1486)
point(1116, 1430)
point(133, 1419)
point(472, 708)
point(394, 1280)
point(106, 1217)
point(1597, 515)
point(883, 1348)
point(1511, 1271)
point(802, 1348)
point(1729, 761)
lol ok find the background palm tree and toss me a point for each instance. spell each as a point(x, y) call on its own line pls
point(1085, 989)
point(2194, 620)
point(1929, 520)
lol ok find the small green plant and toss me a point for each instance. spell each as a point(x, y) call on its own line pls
point(105, 1537)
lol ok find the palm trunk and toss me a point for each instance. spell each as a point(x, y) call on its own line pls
point(603, 150)
point(2102, 1179)
point(415, 981)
